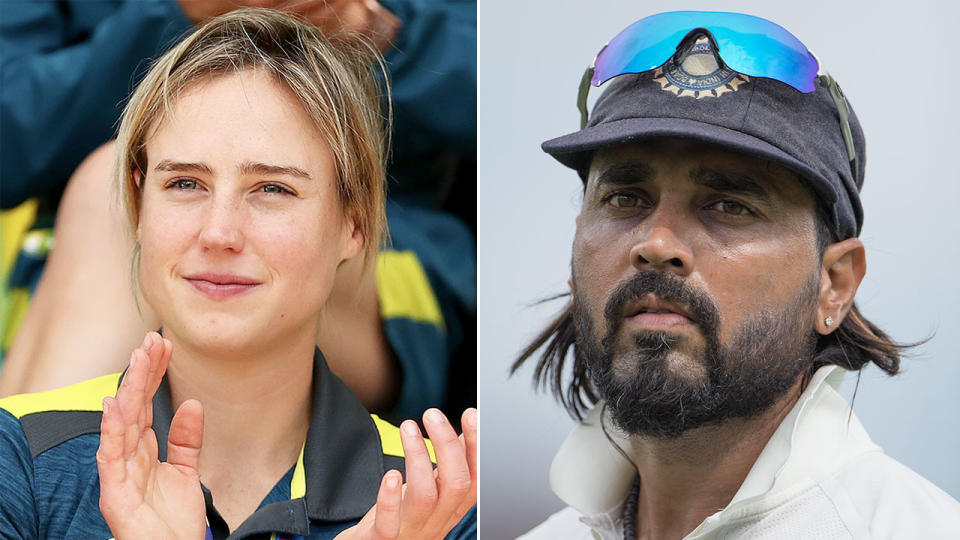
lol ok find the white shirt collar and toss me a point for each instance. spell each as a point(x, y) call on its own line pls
point(818, 435)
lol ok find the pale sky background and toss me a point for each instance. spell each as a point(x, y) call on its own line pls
point(897, 64)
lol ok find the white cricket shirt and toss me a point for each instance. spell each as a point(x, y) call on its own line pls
point(819, 477)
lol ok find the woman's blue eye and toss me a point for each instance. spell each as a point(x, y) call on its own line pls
point(185, 183)
point(275, 188)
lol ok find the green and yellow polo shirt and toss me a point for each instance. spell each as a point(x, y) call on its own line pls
point(50, 486)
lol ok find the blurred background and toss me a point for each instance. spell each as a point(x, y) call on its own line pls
point(897, 65)
point(67, 313)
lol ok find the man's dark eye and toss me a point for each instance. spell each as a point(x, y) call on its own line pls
point(731, 207)
point(624, 200)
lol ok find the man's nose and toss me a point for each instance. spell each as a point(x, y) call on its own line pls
point(222, 224)
point(662, 243)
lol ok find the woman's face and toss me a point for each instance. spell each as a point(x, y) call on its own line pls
point(241, 227)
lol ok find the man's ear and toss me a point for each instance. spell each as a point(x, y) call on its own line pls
point(843, 268)
point(570, 284)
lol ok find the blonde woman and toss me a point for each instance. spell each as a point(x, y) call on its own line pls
point(250, 160)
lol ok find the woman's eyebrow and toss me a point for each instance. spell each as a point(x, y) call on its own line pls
point(180, 166)
point(252, 167)
point(247, 167)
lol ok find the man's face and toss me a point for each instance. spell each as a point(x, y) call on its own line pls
point(695, 284)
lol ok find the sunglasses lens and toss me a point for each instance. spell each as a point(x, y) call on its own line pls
point(747, 44)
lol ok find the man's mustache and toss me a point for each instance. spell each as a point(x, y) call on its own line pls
point(668, 287)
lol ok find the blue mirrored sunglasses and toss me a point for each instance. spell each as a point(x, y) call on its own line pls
point(747, 44)
point(744, 43)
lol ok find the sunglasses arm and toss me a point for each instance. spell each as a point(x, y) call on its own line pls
point(843, 111)
point(582, 96)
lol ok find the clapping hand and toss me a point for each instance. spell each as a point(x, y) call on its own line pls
point(139, 496)
point(432, 502)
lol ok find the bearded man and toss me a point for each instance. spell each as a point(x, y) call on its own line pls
point(712, 315)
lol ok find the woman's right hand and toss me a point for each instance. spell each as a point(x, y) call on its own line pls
point(139, 496)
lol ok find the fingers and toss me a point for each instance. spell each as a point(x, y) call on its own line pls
point(110, 462)
point(388, 510)
point(454, 480)
point(469, 437)
point(130, 400)
point(153, 352)
point(469, 424)
point(159, 350)
point(148, 363)
point(382, 522)
point(421, 494)
point(431, 503)
point(186, 436)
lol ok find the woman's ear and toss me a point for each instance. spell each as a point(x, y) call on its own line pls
point(844, 265)
point(354, 239)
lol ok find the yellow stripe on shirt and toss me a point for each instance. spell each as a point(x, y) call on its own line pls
point(298, 485)
point(390, 439)
point(404, 289)
point(83, 396)
point(13, 224)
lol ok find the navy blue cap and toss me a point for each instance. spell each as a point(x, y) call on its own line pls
point(702, 101)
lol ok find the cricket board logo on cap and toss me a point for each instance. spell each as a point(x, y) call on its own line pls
point(699, 75)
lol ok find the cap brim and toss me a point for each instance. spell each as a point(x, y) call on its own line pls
point(575, 150)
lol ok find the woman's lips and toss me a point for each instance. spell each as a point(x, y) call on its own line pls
point(220, 288)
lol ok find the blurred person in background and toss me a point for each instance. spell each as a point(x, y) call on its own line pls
point(399, 336)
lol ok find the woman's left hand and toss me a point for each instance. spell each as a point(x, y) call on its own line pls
point(432, 502)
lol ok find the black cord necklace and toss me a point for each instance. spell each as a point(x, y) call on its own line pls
point(630, 512)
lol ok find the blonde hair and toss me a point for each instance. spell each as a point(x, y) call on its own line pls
point(334, 81)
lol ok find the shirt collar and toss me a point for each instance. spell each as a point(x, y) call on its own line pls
point(591, 476)
point(341, 463)
point(343, 457)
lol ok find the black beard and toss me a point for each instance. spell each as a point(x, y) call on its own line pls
point(744, 378)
